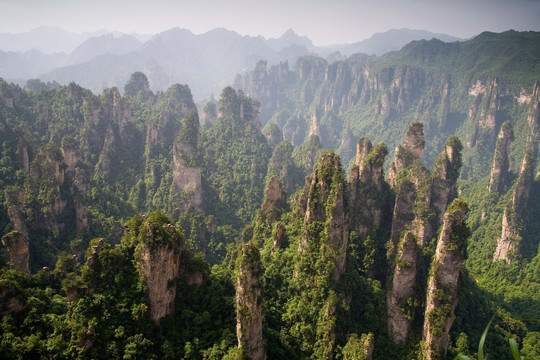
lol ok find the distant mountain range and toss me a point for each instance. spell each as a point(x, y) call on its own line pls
point(205, 62)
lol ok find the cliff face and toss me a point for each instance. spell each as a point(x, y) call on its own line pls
point(186, 187)
point(249, 326)
point(499, 170)
point(159, 264)
point(445, 175)
point(399, 303)
point(408, 153)
point(17, 247)
point(508, 245)
point(443, 281)
point(275, 201)
point(15, 207)
point(326, 204)
point(410, 179)
point(368, 188)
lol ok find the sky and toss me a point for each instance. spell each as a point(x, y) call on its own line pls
point(325, 22)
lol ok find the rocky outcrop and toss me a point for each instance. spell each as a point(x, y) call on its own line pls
point(400, 296)
point(499, 170)
point(443, 283)
point(484, 108)
point(15, 207)
point(406, 154)
point(410, 179)
point(70, 151)
point(445, 174)
point(533, 117)
point(367, 188)
point(159, 265)
point(275, 201)
point(238, 106)
point(186, 189)
point(17, 247)
point(249, 324)
point(326, 203)
point(508, 245)
point(280, 236)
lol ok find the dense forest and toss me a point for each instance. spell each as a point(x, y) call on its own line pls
point(369, 208)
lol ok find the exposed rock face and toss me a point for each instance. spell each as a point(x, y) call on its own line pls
point(47, 173)
point(486, 104)
point(264, 84)
point(275, 201)
point(249, 304)
point(508, 246)
point(70, 151)
point(400, 314)
point(159, 265)
point(359, 348)
point(326, 203)
point(403, 209)
point(443, 283)
point(15, 207)
point(411, 187)
point(499, 170)
point(366, 188)
point(186, 187)
point(445, 175)
point(407, 153)
point(280, 236)
point(534, 114)
point(17, 247)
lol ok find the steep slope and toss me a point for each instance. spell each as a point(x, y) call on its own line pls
point(464, 88)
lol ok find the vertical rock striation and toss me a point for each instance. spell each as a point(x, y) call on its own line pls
point(326, 204)
point(368, 188)
point(275, 201)
point(249, 304)
point(17, 246)
point(499, 170)
point(445, 175)
point(186, 186)
point(508, 245)
point(399, 313)
point(159, 263)
point(443, 283)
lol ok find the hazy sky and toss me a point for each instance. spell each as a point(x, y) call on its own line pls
point(323, 21)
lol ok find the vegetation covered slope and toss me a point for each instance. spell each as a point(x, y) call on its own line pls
point(334, 266)
point(465, 88)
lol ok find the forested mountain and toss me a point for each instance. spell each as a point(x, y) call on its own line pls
point(138, 226)
point(208, 62)
point(467, 88)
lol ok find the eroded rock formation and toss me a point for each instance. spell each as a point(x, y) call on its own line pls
point(443, 283)
point(16, 243)
point(399, 302)
point(445, 174)
point(499, 170)
point(508, 245)
point(186, 187)
point(159, 265)
point(249, 325)
point(368, 188)
point(275, 201)
point(325, 203)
